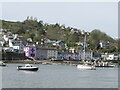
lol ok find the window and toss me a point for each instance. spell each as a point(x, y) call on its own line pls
point(32, 55)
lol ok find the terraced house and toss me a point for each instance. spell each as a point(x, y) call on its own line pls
point(46, 53)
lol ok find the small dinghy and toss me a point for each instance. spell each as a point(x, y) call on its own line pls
point(27, 67)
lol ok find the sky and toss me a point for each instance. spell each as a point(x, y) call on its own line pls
point(85, 16)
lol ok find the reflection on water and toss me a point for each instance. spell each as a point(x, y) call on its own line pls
point(27, 72)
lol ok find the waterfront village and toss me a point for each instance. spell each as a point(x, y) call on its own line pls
point(16, 48)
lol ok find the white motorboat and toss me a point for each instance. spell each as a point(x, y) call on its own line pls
point(27, 67)
point(85, 67)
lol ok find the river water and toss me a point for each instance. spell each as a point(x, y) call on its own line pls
point(59, 76)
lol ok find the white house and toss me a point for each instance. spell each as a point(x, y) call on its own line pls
point(1, 31)
point(1, 42)
point(72, 50)
point(112, 57)
point(7, 49)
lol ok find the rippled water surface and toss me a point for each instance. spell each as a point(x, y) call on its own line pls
point(59, 76)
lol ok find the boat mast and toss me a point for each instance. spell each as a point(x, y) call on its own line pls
point(85, 46)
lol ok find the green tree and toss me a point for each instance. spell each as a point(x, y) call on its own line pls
point(32, 35)
point(73, 37)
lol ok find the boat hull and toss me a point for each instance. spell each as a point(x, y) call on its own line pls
point(27, 69)
point(3, 65)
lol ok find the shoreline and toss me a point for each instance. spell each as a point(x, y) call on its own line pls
point(39, 61)
point(48, 61)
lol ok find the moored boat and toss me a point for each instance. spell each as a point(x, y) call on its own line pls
point(85, 67)
point(27, 67)
point(2, 64)
point(104, 64)
point(46, 63)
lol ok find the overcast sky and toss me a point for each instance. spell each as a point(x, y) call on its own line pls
point(82, 15)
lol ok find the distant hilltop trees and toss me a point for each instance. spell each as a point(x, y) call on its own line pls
point(37, 30)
